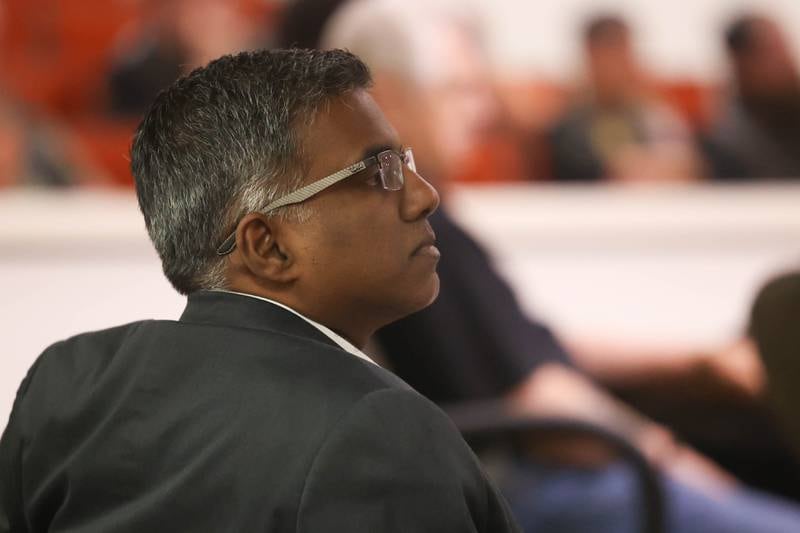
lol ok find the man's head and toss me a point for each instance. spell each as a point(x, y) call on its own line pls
point(762, 62)
point(611, 59)
point(227, 140)
point(430, 76)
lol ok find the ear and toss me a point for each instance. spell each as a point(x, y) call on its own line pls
point(264, 249)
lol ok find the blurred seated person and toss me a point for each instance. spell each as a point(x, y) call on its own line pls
point(502, 146)
point(474, 341)
point(302, 22)
point(618, 131)
point(758, 134)
point(773, 323)
point(174, 37)
point(35, 152)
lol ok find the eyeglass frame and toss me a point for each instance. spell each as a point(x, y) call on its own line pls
point(302, 194)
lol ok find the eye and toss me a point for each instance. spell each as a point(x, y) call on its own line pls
point(374, 178)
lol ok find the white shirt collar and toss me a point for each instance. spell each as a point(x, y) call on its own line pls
point(340, 341)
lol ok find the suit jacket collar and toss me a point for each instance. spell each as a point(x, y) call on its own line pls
point(234, 310)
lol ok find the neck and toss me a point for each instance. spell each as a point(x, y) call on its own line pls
point(353, 331)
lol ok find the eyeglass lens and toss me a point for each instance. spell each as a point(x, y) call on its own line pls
point(392, 168)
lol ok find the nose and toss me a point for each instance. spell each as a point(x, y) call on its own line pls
point(420, 198)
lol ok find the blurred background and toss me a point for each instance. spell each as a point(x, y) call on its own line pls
point(636, 173)
point(76, 76)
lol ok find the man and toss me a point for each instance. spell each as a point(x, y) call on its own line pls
point(773, 324)
point(758, 134)
point(169, 39)
point(617, 130)
point(475, 342)
point(282, 202)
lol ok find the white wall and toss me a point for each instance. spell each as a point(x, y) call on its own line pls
point(678, 38)
point(672, 266)
point(71, 262)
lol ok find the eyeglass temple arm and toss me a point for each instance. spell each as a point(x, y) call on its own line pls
point(302, 194)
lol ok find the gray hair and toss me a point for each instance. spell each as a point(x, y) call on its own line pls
point(224, 141)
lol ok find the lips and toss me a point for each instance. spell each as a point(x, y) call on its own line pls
point(427, 247)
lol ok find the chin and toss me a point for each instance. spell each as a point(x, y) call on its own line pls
point(423, 295)
point(428, 296)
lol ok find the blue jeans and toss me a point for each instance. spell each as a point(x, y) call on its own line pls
point(550, 499)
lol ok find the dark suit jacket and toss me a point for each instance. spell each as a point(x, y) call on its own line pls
point(239, 417)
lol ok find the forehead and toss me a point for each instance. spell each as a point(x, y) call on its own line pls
point(344, 131)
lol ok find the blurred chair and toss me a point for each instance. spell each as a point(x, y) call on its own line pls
point(694, 101)
point(492, 419)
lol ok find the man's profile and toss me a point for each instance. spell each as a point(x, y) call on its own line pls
point(281, 201)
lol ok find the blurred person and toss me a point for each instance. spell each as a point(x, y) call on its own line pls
point(475, 342)
point(443, 100)
point(758, 134)
point(175, 37)
point(282, 203)
point(774, 324)
point(617, 130)
point(302, 22)
point(500, 143)
point(34, 151)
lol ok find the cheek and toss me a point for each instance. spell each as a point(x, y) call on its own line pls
point(359, 247)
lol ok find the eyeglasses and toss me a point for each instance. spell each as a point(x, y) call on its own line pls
point(390, 165)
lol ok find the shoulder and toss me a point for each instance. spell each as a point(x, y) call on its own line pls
point(395, 462)
point(62, 363)
point(83, 349)
point(395, 409)
point(75, 353)
point(733, 127)
point(396, 424)
point(394, 458)
point(409, 432)
point(573, 122)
